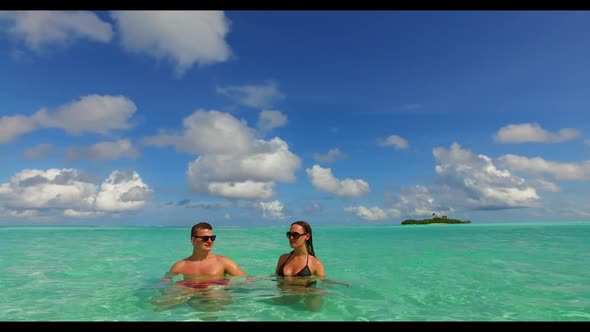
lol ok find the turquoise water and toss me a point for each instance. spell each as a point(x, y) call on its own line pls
point(475, 272)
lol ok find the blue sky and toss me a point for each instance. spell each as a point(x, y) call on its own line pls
point(261, 118)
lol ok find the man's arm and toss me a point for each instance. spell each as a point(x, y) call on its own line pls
point(168, 277)
point(165, 280)
point(174, 271)
point(231, 268)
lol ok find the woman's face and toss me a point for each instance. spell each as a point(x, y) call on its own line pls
point(297, 235)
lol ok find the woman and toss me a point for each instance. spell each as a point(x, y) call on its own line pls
point(301, 262)
point(300, 268)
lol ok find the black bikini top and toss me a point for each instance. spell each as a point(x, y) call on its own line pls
point(305, 272)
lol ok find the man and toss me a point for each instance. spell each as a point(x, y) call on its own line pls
point(202, 264)
point(203, 273)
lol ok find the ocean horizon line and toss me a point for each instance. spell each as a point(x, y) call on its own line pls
point(480, 223)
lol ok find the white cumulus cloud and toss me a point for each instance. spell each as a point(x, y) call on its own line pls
point(256, 96)
point(39, 28)
point(185, 38)
point(231, 161)
point(559, 170)
point(532, 132)
point(92, 114)
point(476, 181)
point(273, 210)
point(396, 141)
point(323, 179)
point(75, 192)
point(104, 151)
point(374, 213)
point(271, 119)
point(329, 157)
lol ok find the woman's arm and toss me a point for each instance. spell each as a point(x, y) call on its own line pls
point(321, 274)
point(335, 282)
point(280, 262)
point(319, 269)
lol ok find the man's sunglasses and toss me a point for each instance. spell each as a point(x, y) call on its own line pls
point(206, 238)
point(295, 235)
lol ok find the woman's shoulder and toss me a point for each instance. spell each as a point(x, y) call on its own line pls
point(285, 255)
point(315, 260)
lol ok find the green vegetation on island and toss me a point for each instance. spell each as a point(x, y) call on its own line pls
point(434, 220)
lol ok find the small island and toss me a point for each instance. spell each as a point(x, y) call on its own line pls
point(435, 220)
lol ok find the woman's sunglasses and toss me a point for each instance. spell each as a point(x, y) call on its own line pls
point(295, 235)
point(206, 238)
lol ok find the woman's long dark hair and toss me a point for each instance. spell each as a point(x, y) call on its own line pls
point(308, 243)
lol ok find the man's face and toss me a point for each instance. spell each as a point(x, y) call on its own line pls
point(203, 239)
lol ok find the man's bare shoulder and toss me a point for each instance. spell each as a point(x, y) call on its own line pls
point(220, 257)
point(177, 267)
point(179, 264)
point(184, 260)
